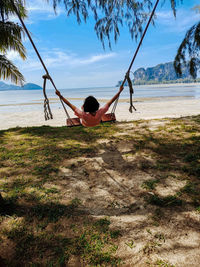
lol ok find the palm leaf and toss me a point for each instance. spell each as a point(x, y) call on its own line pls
point(111, 15)
point(188, 52)
point(7, 8)
point(10, 38)
point(9, 71)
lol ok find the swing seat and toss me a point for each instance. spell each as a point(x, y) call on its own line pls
point(73, 122)
point(108, 117)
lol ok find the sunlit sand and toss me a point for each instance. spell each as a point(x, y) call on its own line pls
point(150, 108)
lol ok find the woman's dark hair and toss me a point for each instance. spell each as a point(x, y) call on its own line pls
point(90, 104)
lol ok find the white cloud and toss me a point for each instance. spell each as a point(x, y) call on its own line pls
point(41, 6)
point(39, 10)
point(12, 55)
point(56, 59)
point(92, 59)
point(183, 20)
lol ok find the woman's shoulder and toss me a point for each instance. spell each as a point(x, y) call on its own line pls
point(103, 109)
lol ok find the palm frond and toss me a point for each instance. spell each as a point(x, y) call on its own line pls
point(9, 71)
point(6, 8)
point(111, 15)
point(189, 52)
point(11, 39)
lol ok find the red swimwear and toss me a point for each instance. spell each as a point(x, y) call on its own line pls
point(89, 120)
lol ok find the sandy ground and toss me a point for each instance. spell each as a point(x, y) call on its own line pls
point(146, 109)
point(108, 183)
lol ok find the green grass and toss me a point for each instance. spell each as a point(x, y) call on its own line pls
point(164, 201)
point(163, 263)
point(31, 157)
point(190, 188)
point(150, 184)
point(46, 226)
point(198, 209)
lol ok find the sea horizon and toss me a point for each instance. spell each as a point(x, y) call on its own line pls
point(26, 100)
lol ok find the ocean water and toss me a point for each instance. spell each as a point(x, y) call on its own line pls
point(24, 100)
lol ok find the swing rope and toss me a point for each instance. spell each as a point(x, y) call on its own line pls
point(47, 110)
point(127, 75)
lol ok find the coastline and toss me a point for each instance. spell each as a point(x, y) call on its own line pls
point(147, 108)
point(121, 100)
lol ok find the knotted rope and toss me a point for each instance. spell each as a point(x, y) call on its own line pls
point(47, 110)
point(131, 92)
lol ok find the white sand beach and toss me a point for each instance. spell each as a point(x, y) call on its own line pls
point(146, 109)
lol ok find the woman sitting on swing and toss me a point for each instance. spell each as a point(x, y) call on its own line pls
point(90, 115)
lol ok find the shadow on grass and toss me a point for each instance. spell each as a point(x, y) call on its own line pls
point(54, 233)
point(57, 235)
point(82, 134)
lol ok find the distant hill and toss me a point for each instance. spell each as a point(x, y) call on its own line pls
point(162, 73)
point(28, 86)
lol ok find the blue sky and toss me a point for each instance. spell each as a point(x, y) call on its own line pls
point(75, 57)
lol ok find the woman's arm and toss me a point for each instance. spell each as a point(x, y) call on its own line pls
point(65, 100)
point(116, 96)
